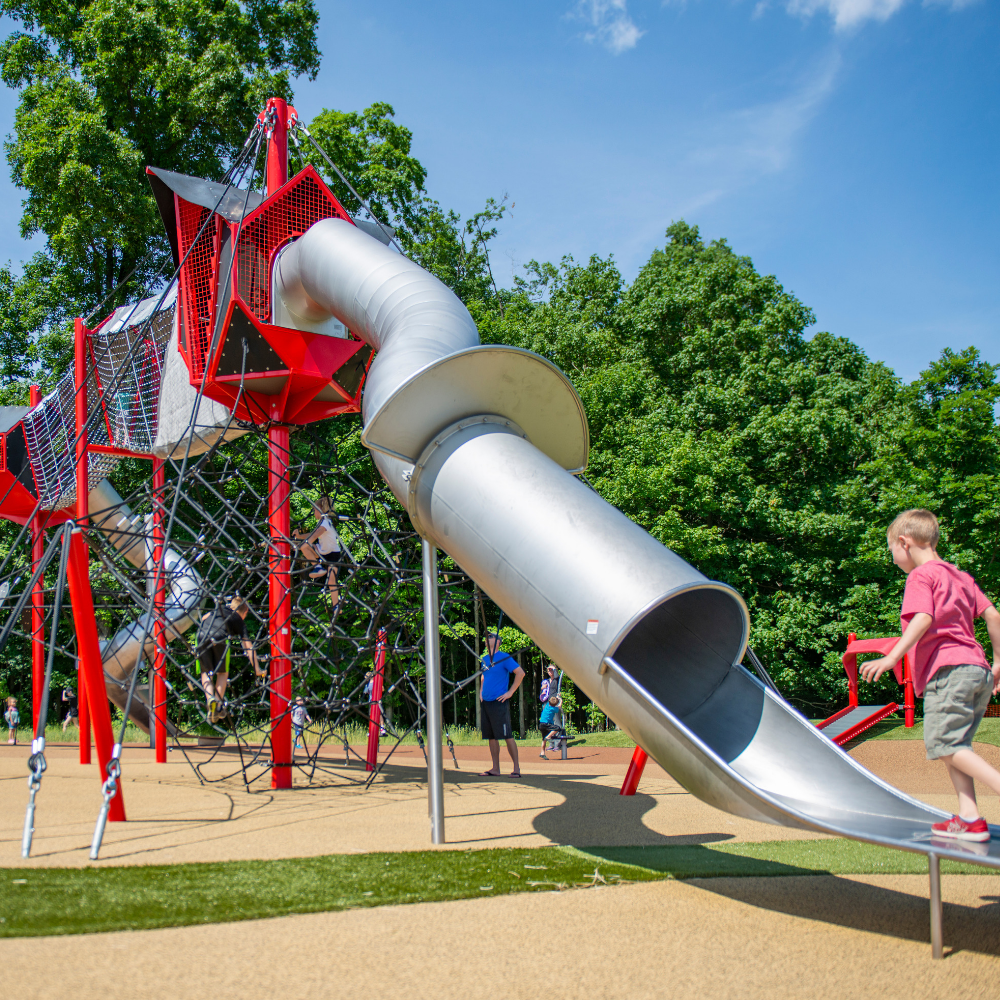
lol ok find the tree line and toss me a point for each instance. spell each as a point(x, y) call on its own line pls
point(769, 458)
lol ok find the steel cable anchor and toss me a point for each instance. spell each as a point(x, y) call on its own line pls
point(37, 766)
point(109, 789)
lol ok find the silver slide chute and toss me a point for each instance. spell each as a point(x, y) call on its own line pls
point(479, 443)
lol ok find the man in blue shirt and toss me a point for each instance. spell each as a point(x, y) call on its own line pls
point(495, 695)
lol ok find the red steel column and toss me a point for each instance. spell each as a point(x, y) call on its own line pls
point(89, 648)
point(634, 773)
point(375, 708)
point(159, 686)
point(82, 514)
point(279, 516)
point(37, 606)
point(277, 146)
point(280, 606)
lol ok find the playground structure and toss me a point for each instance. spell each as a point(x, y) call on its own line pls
point(479, 446)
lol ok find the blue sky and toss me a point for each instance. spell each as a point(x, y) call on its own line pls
point(850, 147)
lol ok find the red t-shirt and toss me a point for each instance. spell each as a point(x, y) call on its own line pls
point(953, 600)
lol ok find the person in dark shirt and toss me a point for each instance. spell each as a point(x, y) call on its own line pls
point(72, 708)
point(213, 649)
point(495, 696)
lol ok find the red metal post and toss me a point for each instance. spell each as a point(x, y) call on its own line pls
point(850, 661)
point(37, 606)
point(909, 701)
point(82, 514)
point(89, 648)
point(159, 687)
point(634, 773)
point(375, 707)
point(279, 516)
point(277, 145)
point(280, 606)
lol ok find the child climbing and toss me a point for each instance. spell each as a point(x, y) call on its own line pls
point(213, 649)
point(323, 547)
point(550, 721)
point(13, 718)
point(950, 668)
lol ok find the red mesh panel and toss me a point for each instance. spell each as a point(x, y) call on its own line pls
point(299, 204)
point(198, 281)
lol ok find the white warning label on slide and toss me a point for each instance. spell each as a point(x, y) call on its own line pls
point(592, 624)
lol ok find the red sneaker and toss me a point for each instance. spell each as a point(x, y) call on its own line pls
point(958, 829)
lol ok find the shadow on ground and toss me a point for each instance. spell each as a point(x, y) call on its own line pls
point(865, 907)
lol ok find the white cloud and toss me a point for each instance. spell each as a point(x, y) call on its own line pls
point(849, 13)
point(610, 24)
point(745, 144)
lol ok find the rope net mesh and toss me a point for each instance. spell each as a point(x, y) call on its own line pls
point(213, 510)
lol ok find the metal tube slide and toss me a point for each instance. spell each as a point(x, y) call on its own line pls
point(133, 537)
point(648, 638)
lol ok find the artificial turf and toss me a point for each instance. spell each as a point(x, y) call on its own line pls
point(40, 901)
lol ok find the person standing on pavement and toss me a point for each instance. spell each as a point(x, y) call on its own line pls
point(495, 694)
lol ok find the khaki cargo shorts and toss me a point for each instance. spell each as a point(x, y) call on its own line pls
point(955, 701)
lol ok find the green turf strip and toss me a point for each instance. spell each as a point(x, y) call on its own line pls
point(36, 901)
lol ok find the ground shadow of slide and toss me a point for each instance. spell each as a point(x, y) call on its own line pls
point(592, 813)
point(835, 900)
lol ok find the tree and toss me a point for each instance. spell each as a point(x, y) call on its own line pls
point(768, 460)
point(107, 89)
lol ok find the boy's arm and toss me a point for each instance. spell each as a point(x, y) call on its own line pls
point(874, 669)
point(252, 656)
point(992, 617)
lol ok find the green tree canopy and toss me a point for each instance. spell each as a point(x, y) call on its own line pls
point(107, 88)
point(767, 459)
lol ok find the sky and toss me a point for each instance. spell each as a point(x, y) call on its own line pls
point(849, 147)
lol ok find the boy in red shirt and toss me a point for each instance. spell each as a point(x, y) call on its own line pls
point(949, 666)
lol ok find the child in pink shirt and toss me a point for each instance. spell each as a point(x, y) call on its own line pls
point(950, 668)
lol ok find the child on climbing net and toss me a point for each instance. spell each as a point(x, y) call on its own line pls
point(212, 651)
point(549, 722)
point(322, 546)
point(949, 666)
point(13, 718)
point(300, 718)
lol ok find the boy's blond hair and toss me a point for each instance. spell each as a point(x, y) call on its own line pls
point(239, 605)
point(921, 525)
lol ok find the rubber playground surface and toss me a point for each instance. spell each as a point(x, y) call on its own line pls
point(720, 937)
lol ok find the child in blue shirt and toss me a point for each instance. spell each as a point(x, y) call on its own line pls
point(550, 720)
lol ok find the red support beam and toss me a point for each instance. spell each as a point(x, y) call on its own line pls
point(91, 666)
point(159, 685)
point(82, 514)
point(280, 605)
point(37, 606)
point(634, 773)
point(375, 706)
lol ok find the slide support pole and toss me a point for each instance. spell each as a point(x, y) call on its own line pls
point(934, 867)
point(432, 662)
point(158, 688)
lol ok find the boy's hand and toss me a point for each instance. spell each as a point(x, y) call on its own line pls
point(996, 676)
point(872, 670)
